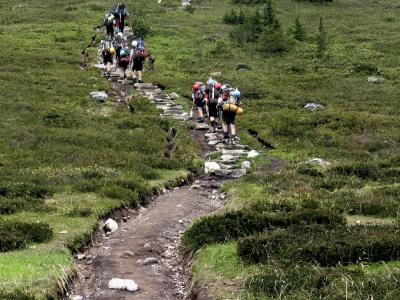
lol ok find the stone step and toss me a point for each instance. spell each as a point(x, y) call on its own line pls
point(233, 173)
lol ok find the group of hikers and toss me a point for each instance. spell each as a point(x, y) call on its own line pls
point(215, 99)
point(129, 57)
point(211, 99)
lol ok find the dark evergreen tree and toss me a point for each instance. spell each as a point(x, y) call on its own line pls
point(322, 40)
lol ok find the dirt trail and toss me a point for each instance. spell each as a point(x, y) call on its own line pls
point(151, 236)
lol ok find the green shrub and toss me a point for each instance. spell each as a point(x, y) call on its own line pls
point(311, 282)
point(271, 41)
point(234, 18)
point(25, 189)
point(140, 27)
point(325, 245)
point(249, 1)
point(16, 235)
point(13, 205)
point(310, 170)
point(366, 69)
point(80, 212)
point(118, 192)
point(232, 225)
point(359, 169)
point(298, 31)
point(88, 186)
point(16, 295)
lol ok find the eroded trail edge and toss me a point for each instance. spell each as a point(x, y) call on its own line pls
point(145, 246)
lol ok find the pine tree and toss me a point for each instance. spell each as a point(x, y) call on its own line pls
point(298, 31)
point(322, 41)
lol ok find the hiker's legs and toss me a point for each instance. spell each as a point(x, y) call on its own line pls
point(139, 75)
point(122, 24)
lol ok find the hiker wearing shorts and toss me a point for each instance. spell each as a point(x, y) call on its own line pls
point(212, 94)
point(230, 98)
point(108, 61)
point(109, 22)
point(124, 61)
point(139, 54)
point(199, 100)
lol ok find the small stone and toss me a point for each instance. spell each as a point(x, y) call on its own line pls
point(125, 219)
point(80, 256)
point(180, 221)
point(235, 173)
point(167, 254)
point(75, 297)
point(227, 157)
point(110, 225)
point(358, 222)
point(127, 254)
point(174, 96)
point(150, 261)
point(253, 154)
point(195, 187)
point(147, 247)
point(374, 79)
point(319, 162)
point(246, 165)
point(123, 284)
point(108, 233)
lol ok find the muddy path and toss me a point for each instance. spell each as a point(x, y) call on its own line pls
point(145, 246)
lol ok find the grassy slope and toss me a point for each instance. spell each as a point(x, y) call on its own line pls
point(52, 135)
point(358, 127)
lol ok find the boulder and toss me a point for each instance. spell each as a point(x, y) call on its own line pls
point(210, 167)
point(110, 226)
point(99, 96)
point(75, 297)
point(313, 106)
point(319, 162)
point(127, 254)
point(374, 79)
point(253, 154)
point(123, 285)
point(233, 173)
point(150, 261)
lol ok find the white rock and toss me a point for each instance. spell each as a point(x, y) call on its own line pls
point(318, 161)
point(167, 254)
point(374, 79)
point(313, 106)
point(127, 254)
point(174, 96)
point(253, 154)
point(110, 225)
point(358, 222)
point(147, 247)
point(195, 187)
point(227, 157)
point(99, 96)
point(75, 297)
point(123, 284)
point(80, 256)
point(150, 261)
point(246, 165)
point(211, 167)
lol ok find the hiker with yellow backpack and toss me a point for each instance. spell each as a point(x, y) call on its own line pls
point(230, 103)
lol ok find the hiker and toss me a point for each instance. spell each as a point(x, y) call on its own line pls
point(199, 100)
point(230, 102)
point(120, 13)
point(109, 21)
point(108, 54)
point(139, 53)
point(119, 43)
point(124, 61)
point(213, 92)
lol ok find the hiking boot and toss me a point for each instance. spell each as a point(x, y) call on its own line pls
point(233, 142)
point(134, 80)
point(140, 81)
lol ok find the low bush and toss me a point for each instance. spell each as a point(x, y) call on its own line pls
point(25, 189)
point(80, 212)
point(118, 192)
point(366, 69)
point(232, 225)
point(325, 245)
point(360, 169)
point(16, 235)
point(16, 295)
point(13, 205)
point(271, 41)
point(311, 282)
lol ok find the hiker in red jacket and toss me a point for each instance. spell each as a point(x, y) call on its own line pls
point(199, 99)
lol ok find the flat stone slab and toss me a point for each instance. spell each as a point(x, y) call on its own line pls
point(202, 126)
point(233, 173)
point(234, 152)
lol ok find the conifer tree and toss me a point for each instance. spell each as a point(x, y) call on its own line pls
point(298, 31)
point(322, 40)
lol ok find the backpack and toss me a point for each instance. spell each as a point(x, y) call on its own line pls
point(109, 19)
point(140, 50)
point(199, 96)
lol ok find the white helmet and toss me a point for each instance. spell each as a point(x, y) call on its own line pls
point(134, 44)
